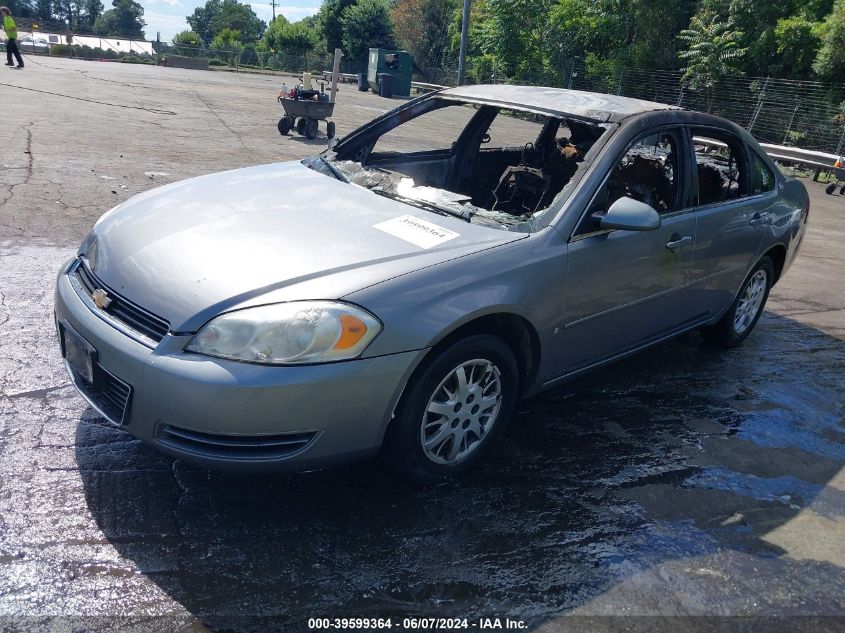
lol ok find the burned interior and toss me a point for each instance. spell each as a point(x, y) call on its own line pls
point(492, 164)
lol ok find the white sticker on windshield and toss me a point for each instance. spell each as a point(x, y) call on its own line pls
point(416, 231)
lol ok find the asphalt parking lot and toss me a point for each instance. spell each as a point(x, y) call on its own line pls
point(681, 482)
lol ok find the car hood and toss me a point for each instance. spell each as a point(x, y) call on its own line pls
point(190, 250)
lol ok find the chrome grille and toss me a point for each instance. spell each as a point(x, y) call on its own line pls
point(132, 316)
point(234, 446)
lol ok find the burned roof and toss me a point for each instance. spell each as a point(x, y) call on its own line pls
point(591, 106)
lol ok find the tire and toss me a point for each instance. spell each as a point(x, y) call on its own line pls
point(300, 126)
point(738, 322)
point(842, 190)
point(311, 128)
point(830, 189)
point(284, 126)
point(455, 444)
point(330, 130)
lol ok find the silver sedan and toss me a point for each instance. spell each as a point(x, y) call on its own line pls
point(403, 294)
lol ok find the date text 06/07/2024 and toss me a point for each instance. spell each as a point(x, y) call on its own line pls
point(412, 624)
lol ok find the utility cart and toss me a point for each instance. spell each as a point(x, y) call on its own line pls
point(304, 114)
point(305, 108)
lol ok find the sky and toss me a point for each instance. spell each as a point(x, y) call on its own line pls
point(168, 16)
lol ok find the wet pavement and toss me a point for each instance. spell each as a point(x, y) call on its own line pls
point(680, 482)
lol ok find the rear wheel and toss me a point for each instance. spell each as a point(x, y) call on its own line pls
point(311, 128)
point(842, 190)
point(300, 126)
point(330, 130)
point(830, 189)
point(737, 323)
point(284, 126)
point(453, 409)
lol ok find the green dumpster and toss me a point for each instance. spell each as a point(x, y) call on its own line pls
point(398, 64)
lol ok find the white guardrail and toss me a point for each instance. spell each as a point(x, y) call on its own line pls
point(819, 161)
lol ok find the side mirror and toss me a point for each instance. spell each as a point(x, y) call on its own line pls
point(628, 214)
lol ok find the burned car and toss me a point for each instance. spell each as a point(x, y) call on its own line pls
point(405, 288)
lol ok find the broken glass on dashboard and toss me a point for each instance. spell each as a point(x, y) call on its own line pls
point(486, 164)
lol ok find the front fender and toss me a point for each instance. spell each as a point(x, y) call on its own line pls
point(526, 278)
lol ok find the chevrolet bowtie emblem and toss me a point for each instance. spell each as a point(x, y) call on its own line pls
point(101, 298)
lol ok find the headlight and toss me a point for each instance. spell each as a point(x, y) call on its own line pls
point(288, 333)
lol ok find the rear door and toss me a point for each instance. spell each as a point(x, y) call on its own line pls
point(733, 195)
point(626, 289)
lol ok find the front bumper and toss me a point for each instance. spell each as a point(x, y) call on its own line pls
point(237, 416)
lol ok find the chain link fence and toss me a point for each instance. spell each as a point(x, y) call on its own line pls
point(805, 114)
point(249, 58)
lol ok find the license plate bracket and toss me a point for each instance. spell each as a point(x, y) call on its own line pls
point(78, 352)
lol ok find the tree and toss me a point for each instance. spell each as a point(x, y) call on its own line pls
point(830, 62)
point(92, 9)
point(712, 52)
point(228, 42)
point(200, 19)
point(207, 21)
point(21, 8)
point(126, 19)
point(797, 40)
point(238, 17)
point(329, 22)
point(300, 36)
point(44, 9)
point(366, 25)
point(426, 45)
point(187, 39)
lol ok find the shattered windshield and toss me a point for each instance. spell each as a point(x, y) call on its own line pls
point(488, 165)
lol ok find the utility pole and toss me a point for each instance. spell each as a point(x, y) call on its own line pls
point(273, 3)
point(462, 55)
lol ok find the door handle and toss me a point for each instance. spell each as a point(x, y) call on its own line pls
point(676, 241)
point(760, 218)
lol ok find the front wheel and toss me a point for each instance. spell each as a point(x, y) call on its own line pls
point(453, 409)
point(330, 130)
point(735, 326)
point(830, 189)
point(300, 125)
point(311, 129)
point(284, 126)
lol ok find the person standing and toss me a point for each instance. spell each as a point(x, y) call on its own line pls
point(11, 37)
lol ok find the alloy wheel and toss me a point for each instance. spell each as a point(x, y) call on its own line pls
point(750, 302)
point(461, 411)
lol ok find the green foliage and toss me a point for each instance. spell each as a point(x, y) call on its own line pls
point(712, 52)
point(126, 19)
point(216, 15)
point(329, 22)
point(366, 25)
point(830, 62)
point(797, 40)
point(426, 45)
point(187, 39)
point(227, 40)
point(300, 36)
point(200, 19)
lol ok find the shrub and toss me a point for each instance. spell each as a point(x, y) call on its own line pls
point(61, 50)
